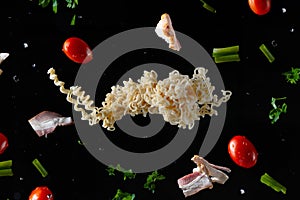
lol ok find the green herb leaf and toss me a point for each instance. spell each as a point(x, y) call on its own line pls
point(120, 195)
point(271, 182)
point(152, 179)
point(73, 20)
point(292, 76)
point(277, 110)
point(44, 3)
point(54, 6)
point(6, 172)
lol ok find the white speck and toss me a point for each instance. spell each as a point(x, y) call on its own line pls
point(21, 178)
point(292, 30)
point(274, 44)
point(100, 149)
point(16, 79)
point(283, 10)
point(33, 65)
point(25, 45)
point(282, 140)
point(80, 16)
point(242, 191)
point(247, 93)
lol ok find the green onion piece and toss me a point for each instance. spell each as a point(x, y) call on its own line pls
point(225, 51)
point(40, 167)
point(227, 58)
point(5, 164)
point(6, 172)
point(271, 182)
point(267, 53)
point(208, 7)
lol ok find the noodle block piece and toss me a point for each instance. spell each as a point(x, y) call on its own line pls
point(164, 29)
point(46, 122)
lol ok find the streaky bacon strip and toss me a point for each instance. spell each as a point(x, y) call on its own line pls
point(46, 122)
point(203, 177)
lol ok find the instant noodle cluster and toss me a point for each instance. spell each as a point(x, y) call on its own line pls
point(179, 99)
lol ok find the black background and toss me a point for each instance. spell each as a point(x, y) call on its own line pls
point(74, 173)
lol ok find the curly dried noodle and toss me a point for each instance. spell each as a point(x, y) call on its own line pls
point(179, 99)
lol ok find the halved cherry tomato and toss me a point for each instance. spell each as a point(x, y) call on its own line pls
point(3, 143)
point(77, 50)
point(41, 193)
point(242, 151)
point(260, 7)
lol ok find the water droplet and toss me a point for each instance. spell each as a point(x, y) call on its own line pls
point(283, 10)
point(25, 45)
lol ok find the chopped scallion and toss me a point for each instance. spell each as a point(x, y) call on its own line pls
point(208, 7)
point(227, 58)
point(5, 164)
point(271, 182)
point(6, 172)
point(225, 51)
point(267, 53)
point(40, 167)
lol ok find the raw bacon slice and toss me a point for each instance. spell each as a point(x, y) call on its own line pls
point(165, 30)
point(194, 182)
point(202, 177)
point(46, 122)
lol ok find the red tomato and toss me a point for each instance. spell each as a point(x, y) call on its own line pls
point(242, 151)
point(77, 50)
point(260, 7)
point(41, 193)
point(3, 143)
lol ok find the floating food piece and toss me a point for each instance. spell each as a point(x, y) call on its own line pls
point(180, 99)
point(242, 151)
point(77, 50)
point(165, 30)
point(3, 143)
point(46, 122)
point(202, 177)
point(3, 56)
point(41, 193)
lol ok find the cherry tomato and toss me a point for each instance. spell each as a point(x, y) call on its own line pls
point(3, 143)
point(77, 50)
point(260, 7)
point(41, 193)
point(242, 151)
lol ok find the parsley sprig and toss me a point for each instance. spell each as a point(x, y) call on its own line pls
point(152, 179)
point(277, 109)
point(120, 195)
point(127, 174)
point(292, 76)
point(69, 4)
